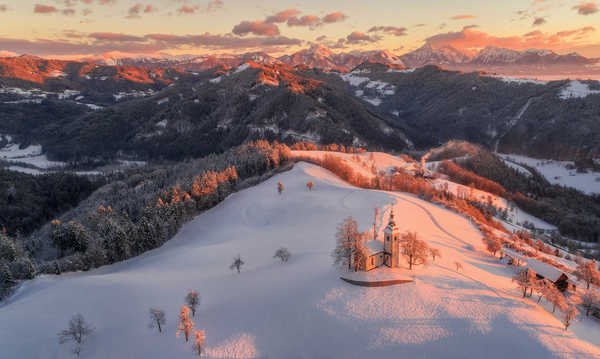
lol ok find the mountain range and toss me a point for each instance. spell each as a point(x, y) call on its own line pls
point(319, 56)
point(82, 112)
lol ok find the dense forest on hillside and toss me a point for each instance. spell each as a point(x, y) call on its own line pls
point(137, 211)
point(27, 202)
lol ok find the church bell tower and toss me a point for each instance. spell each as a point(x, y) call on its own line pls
point(391, 245)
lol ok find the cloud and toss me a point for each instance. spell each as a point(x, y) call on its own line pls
point(290, 16)
point(463, 17)
point(539, 21)
point(257, 27)
point(187, 9)
point(137, 9)
point(282, 16)
point(80, 44)
point(334, 17)
point(392, 30)
point(112, 36)
point(311, 21)
point(214, 5)
point(357, 37)
point(471, 39)
point(44, 9)
point(587, 8)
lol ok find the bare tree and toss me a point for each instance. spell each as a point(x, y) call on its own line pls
point(542, 287)
point(524, 279)
point(434, 252)
point(346, 237)
point(555, 297)
point(375, 215)
point(569, 313)
point(283, 254)
point(185, 323)
point(199, 337)
point(359, 251)
point(157, 319)
point(587, 272)
point(279, 187)
point(237, 264)
point(588, 299)
point(493, 245)
point(77, 332)
point(415, 250)
point(458, 266)
point(192, 299)
point(310, 185)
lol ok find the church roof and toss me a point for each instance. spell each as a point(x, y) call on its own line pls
point(374, 246)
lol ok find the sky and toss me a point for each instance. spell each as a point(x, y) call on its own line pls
point(75, 28)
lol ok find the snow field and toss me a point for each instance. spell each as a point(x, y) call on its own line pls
point(300, 309)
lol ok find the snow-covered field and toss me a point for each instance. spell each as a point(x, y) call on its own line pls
point(300, 309)
point(576, 89)
point(556, 172)
point(31, 155)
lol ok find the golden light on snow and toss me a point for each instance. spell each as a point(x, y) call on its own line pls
point(240, 346)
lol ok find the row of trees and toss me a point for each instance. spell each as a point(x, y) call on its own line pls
point(400, 180)
point(333, 147)
point(78, 330)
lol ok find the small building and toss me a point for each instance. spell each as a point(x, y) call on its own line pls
point(386, 253)
point(542, 270)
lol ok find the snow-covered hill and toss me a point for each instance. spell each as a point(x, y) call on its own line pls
point(300, 309)
point(557, 172)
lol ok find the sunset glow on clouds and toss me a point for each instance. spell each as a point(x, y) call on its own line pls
point(71, 28)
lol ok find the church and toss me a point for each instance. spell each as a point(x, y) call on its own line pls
point(387, 253)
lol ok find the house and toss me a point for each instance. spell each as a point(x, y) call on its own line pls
point(542, 270)
point(386, 253)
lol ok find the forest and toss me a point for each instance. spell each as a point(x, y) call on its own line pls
point(137, 211)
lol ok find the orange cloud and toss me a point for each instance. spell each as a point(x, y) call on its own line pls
point(282, 16)
point(463, 17)
point(471, 39)
point(44, 9)
point(257, 27)
point(334, 17)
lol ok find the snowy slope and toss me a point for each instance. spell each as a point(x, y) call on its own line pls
point(300, 309)
point(556, 172)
